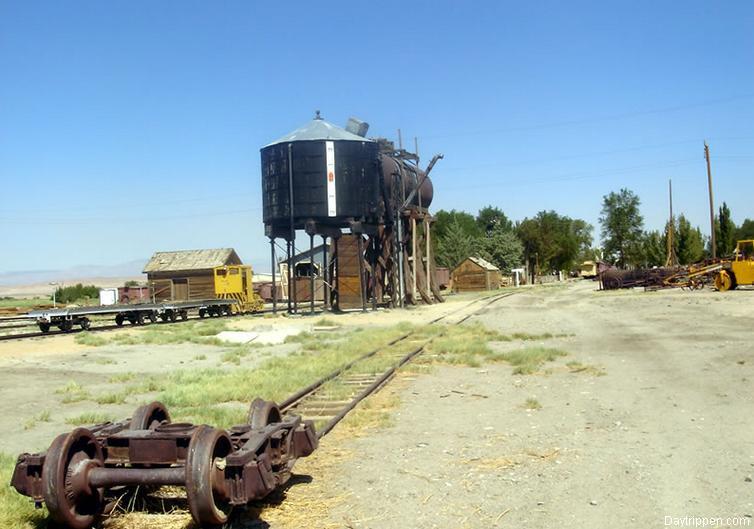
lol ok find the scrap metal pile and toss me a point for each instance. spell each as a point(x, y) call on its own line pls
point(219, 468)
point(692, 277)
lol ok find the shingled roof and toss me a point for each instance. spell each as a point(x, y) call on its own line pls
point(184, 260)
point(484, 263)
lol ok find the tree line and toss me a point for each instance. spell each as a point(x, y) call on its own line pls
point(626, 244)
point(550, 241)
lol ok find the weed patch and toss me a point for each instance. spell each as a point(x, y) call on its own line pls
point(88, 418)
point(88, 338)
point(72, 392)
point(528, 360)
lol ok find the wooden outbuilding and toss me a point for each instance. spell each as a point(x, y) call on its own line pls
point(187, 275)
point(475, 274)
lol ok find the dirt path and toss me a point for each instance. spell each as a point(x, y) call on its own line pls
point(667, 431)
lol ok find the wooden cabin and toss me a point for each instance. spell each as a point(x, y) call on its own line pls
point(186, 275)
point(475, 274)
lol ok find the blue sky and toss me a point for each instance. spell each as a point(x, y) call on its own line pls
point(131, 127)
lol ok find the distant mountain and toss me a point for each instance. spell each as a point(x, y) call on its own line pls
point(26, 277)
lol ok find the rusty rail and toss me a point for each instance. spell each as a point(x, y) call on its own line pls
point(330, 411)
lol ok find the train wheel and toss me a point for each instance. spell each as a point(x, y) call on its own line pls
point(67, 494)
point(205, 478)
point(152, 317)
point(172, 316)
point(263, 412)
point(228, 310)
point(66, 326)
point(184, 315)
point(44, 326)
point(119, 319)
point(202, 313)
point(164, 317)
point(85, 324)
point(149, 416)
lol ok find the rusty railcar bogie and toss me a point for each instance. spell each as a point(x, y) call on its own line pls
point(219, 468)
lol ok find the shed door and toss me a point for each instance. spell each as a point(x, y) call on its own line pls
point(180, 290)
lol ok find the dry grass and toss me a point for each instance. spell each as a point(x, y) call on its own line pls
point(468, 345)
point(577, 367)
point(89, 418)
point(528, 360)
point(72, 392)
point(88, 338)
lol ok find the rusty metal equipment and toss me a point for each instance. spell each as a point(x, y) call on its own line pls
point(220, 469)
point(692, 277)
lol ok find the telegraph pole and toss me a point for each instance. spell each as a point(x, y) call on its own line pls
point(713, 243)
point(670, 260)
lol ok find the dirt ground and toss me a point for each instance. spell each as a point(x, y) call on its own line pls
point(666, 431)
point(31, 371)
point(658, 422)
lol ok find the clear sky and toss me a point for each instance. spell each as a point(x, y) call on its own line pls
point(131, 127)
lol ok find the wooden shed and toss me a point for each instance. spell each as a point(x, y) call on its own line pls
point(187, 274)
point(475, 274)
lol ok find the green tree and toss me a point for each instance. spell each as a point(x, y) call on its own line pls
point(76, 293)
point(622, 225)
point(465, 221)
point(725, 232)
point(654, 249)
point(502, 248)
point(490, 218)
point(690, 243)
point(745, 230)
point(553, 241)
point(455, 245)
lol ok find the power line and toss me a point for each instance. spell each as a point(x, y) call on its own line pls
point(577, 176)
point(596, 119)
point(124, 220)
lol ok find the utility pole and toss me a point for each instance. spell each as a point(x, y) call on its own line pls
point(670, 259)
point(713, 243)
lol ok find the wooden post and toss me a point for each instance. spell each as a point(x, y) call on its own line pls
point(274, 285)
point(325, 274)
point(427, 254)
point(713, 243)
point(362, 283)
point(413, 258)
point(311, 273)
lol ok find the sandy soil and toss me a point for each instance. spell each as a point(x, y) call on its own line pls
point(667, 431)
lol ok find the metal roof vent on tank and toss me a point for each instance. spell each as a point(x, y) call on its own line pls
point(335, 177)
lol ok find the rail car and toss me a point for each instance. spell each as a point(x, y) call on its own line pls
point(232, 287)
point(66, 319)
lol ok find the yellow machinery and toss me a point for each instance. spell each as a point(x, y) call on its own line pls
point(235, 282)
point(739, 271)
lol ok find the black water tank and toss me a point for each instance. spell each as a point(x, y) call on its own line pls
point(335, 175)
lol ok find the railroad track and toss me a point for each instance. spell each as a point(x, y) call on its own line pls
point(328, 400)
point(96, 327)
point(81, 474)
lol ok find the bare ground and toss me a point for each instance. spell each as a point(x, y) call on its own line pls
point(667, 431)
point(655, 422)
